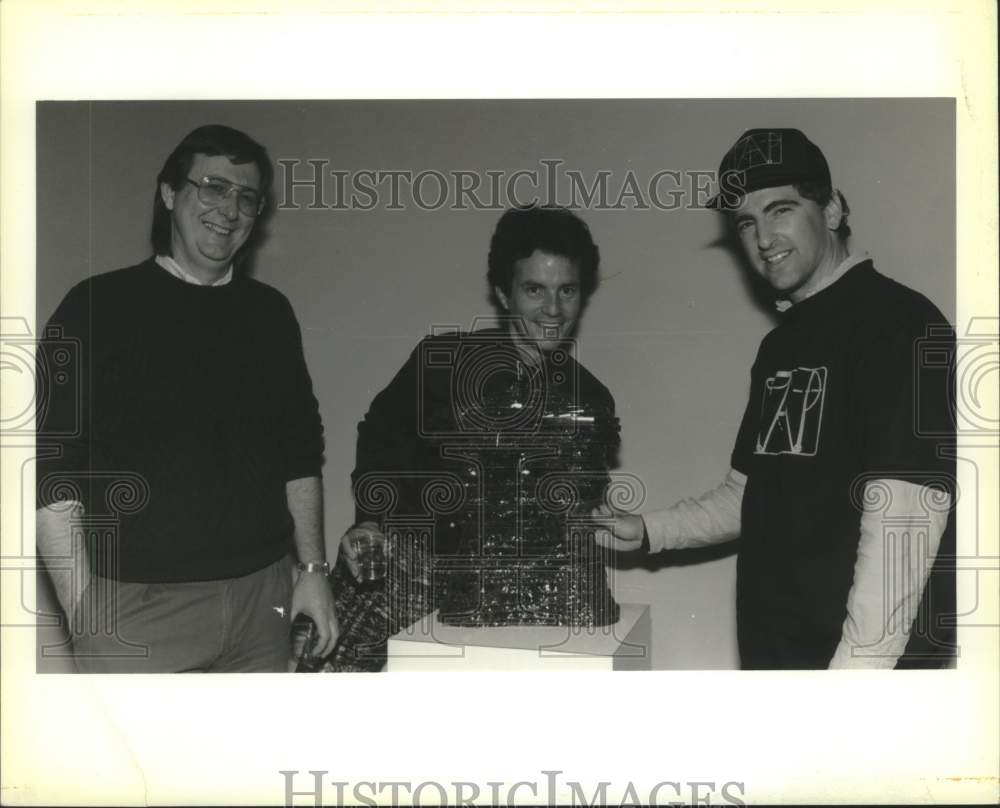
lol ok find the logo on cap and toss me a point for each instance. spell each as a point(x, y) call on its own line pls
point(767, 158)
point(756, 149)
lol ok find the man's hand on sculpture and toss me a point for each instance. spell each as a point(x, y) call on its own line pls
point(312, 596)
point(618, 530)
point(348, 543)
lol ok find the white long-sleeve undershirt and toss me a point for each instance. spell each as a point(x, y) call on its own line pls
point(891, 571)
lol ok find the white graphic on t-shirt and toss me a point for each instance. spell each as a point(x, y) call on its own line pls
point(791, 412)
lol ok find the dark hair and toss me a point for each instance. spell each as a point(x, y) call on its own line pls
point(211, 140)
point(821, 194)
point(548, 228)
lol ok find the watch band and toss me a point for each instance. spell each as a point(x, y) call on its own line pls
point(314, 566)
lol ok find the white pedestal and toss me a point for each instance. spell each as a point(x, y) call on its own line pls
point(430, 646)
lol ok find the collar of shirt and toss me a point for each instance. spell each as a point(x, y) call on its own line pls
point(784, 304)
point(175, 269)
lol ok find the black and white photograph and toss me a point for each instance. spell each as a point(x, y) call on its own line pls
point(562, 388)
point(506, 415)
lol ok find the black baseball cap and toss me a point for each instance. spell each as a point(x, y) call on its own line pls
point(767, 158)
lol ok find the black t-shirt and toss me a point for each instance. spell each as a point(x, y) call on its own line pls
point(842, 393)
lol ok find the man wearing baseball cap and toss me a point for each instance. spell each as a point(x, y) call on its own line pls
point(840, 488)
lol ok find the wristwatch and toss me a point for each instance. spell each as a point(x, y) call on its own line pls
point(314, 566)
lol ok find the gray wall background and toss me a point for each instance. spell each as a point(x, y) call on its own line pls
point(672, 331)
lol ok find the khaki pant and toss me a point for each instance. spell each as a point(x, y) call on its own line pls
point(231, 625)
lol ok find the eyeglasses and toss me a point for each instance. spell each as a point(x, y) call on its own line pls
point(215, 191)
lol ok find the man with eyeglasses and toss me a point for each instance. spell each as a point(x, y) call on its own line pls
point(166, 522)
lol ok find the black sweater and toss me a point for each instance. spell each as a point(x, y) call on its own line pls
point(404, 435)
point(178, 418)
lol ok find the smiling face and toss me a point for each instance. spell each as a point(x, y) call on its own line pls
point(203, 237)
point(789, 240)
point(545, 295)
